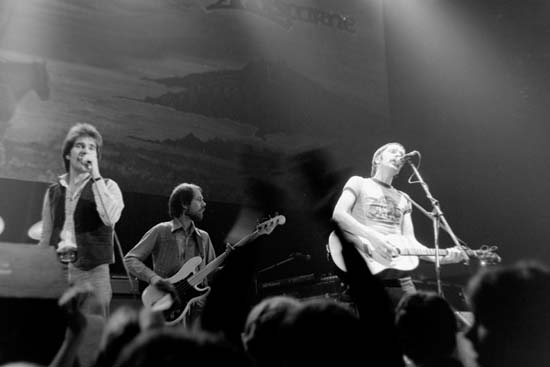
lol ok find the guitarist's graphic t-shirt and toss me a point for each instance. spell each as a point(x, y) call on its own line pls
point(378, 207)
point(382, 209)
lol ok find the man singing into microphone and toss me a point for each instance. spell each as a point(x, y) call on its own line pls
point(81, 209)
point(378, 217)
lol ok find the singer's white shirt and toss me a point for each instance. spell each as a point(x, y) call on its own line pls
point(109, 205)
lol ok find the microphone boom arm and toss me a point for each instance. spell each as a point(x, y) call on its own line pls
point(438, 220)
point(429, 215)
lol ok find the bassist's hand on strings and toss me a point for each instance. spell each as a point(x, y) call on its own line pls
point(165, 286)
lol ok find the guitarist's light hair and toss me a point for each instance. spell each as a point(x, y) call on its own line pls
point(181, 195)
point(378, 153)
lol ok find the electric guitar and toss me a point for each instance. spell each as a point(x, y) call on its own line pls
point(186, 280)
point(407, 257)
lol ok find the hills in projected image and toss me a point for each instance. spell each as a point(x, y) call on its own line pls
point(183, 94)
point(269, 96)
point(199, 127)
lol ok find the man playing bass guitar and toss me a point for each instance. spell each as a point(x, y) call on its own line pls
point(378, 218)
point(171, 244)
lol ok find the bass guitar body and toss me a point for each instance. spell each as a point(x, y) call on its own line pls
point(175, 311)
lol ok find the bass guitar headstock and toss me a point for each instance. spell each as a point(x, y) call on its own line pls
point(267, 226)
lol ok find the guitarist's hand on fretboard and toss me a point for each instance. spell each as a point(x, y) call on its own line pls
point(454, 255)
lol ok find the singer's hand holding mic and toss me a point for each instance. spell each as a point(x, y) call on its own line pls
point(89, 160)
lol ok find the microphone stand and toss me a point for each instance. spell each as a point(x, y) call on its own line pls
point(288, 259)
point(438, 219)
point(429, 215)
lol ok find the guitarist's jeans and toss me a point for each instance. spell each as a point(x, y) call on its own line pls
point(396, 282)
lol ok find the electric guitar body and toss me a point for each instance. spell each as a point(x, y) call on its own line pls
point(174, 312)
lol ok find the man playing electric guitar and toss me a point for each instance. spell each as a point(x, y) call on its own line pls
point(171, 244)
point(378, 217)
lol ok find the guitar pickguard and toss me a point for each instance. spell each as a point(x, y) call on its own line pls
point(186, 293)
point(178, 310)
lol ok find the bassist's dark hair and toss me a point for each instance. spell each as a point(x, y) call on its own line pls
point(181, 195)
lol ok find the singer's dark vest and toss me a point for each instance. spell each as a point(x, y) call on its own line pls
point(94, 240)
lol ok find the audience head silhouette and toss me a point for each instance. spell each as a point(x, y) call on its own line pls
point(511, 306)
point(167, 347)
point(427, 329)
point(324, 332)
point(265, 329)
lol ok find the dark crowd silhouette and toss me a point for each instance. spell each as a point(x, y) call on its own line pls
point(510, 305)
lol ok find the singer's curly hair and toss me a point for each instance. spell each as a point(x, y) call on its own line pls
point(79, 130)
point(378, 153)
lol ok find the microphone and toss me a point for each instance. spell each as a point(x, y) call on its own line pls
point(86, 162)
point(407, 157)
point(300, 256)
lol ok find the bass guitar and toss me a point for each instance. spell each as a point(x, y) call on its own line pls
point(186, 281)
point(406, 258)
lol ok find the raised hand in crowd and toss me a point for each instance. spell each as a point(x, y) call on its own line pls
point(71, 302)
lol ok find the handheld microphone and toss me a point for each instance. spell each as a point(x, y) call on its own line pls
point(86, 162)
point(407, 157)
